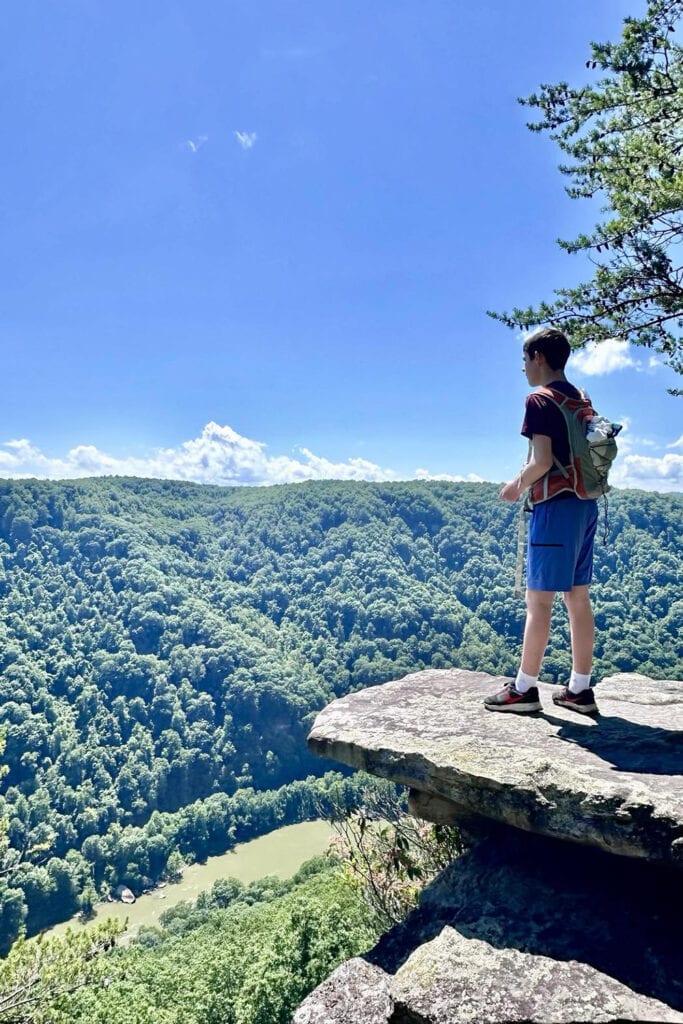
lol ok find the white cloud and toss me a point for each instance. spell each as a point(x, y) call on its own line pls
point(600, 357)
point(629, 442)
point(246, 139)
point(218, 456)
point(649, 472)
point(194, 145)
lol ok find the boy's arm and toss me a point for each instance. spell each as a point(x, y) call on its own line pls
point(538, 465)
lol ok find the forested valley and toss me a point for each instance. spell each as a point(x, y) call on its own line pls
point(165, 646)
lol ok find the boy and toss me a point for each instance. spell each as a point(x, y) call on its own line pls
point(561, 535)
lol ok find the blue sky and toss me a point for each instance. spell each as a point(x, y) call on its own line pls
point(253, 242)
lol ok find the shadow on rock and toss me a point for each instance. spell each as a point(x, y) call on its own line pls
point(548, 897)
point(629, 746)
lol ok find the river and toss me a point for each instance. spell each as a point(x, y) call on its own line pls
point(280, 853)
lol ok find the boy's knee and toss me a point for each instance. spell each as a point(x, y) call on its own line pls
point(576, 596)
point(541, 599)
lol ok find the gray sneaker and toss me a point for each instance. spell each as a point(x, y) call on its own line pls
point(583, 702)
point(510, 699)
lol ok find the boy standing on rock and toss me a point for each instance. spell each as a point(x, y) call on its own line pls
point(561, 535)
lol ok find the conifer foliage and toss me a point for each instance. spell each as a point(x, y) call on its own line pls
point(623, 136)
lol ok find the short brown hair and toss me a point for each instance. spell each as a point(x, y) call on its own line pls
point(552, 343)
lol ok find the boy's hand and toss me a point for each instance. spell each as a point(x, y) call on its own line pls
point(510, 491)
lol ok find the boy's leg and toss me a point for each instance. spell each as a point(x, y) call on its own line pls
point(577, 598)
point(559, 558)
point(579, 695)
point(539, 606)
point(522, 695)
point(582, 628)
point(544, 567)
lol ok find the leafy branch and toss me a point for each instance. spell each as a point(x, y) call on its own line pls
point(624, 138)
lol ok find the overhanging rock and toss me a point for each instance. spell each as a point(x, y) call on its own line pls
point(536, 921)
point(614, 782)
point(522, 928)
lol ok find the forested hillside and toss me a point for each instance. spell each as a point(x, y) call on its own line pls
point(242, 955)
point(164, 646)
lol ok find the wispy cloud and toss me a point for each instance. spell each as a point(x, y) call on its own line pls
point(246, 139)
point(194, 145)
point(676, 444)
point(602, 357)
point(472, 478)
point(291, 53)
point(218, 456)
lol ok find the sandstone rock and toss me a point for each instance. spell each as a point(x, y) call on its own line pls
point(614, 782)
point(538, 920)
point(525, 928)
point(546, 898)
point(356, 993)
point(455, 980)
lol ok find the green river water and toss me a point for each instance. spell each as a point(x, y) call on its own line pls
point(278, 853)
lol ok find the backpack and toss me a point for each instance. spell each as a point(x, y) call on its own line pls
point(592, 450)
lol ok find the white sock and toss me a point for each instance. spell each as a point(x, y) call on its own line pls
point(523, 681)
point(578, 682)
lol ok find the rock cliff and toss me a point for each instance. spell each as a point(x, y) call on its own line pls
point(568, 904)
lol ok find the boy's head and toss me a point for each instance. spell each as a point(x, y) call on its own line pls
point(552, 343)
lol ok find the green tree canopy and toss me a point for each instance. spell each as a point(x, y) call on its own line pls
point(124, 744)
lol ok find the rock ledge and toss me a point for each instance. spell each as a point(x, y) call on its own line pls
point(614, 782)
point(538, 921)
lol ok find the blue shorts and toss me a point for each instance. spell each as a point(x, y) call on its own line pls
point(560, 548)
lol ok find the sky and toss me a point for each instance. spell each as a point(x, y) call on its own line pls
point(254, 242)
